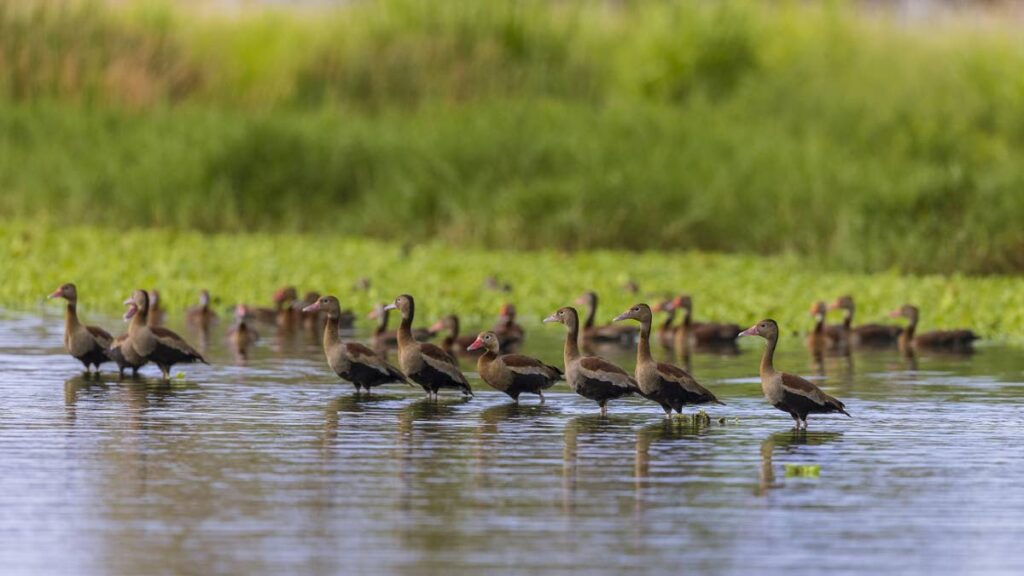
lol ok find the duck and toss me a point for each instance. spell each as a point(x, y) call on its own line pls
point(863, 335)
point(701, 334)
point(352, 361)
point(592, 377)
point(424, 363)
point(284, 313)
point(665, 384)
point(241, 336)
point(125, 356)
point(453, 343)
point(201, 315)
point(607, 334)
point(154, 343)
point(513, 374)
point(509, 332)
point(789, 392)
point(384, 338)
point(666, 332)
point(87, 344)
point(949, 340)
point(156, 310)
point(816, 340)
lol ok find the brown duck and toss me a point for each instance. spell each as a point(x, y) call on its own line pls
point(426, 364)
point(453, 342)
point(241, 335)
point(153, 343)
point(608, 333)
point(513, 374)
point(202, 316)
point(660, 382)
point(352, 361)
point(789, 392)
point(817, 340)
point(592, 377)
point(691, 333)
point(948, 340)
point(863, 335)
point(156, 309)
point(509, 332)
point(87, 344)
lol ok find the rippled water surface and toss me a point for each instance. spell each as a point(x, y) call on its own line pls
point(276, 467)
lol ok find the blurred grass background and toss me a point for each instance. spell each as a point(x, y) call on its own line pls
point(816, 130)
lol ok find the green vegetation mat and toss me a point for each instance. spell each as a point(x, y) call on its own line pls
point(107, 264)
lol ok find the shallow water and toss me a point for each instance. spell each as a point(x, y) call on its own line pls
point(276, 467)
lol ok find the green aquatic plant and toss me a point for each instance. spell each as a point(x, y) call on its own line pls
point(803, 470)
point(108, 263)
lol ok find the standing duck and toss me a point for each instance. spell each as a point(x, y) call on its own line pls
point(284, 314)
point(592, 377)
point(701, 334)
point(607, 334)
point(789, 392)
point(666, 332)
point(509, 332)
point(816, 340)
point(868, 335)
point(948, 340)
point(513, 374)
point(241, 336)
point(453, 343)
point(153, 343)
point(425, 364)
point(201, 315)
point(668, 385)
point(351, 361)
point(87, 344)
point(125, 356)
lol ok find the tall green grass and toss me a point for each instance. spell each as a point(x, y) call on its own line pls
point(726, 126)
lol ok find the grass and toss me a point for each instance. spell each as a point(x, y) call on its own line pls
point(849, 141)
point(107, 264)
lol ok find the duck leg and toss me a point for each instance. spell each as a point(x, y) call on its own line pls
point(604, 408)
point(541, 394)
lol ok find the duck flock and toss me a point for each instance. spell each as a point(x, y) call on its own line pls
point(434, 366)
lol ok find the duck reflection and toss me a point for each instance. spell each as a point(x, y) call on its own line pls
point(665, 431)
point(492, 419)
point(575, 428)
point(349, 404)
point(788, 442)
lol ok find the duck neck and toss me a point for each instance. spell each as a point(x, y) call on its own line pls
point(666, 326)
point(687, 317)
point(405, 329)
point(767, 365)
point(485, 360)
point(382, 323)
point(819, 323)
point(572, 346)
point(591, 313)
point(643, 348)
point(140, 320)
point(332, 332)
point(454, 328)
point(908, 332)
point(71, 316)
point(848, 319)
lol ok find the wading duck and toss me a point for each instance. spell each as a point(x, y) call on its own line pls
point(125, 356)
point(201, 315)
point(453, 343)
point(352, 361)
point(608, 334)
point(153, 343)
point(788, 392)
point(513, 374)
point(284, 314)
point(425, 364)
point(509, 332)
point(384, 338)
point(866, 335)
point(592, 377)
point(242, 336)
point(87, 344)
point(668, 385)
point(691, 333)
point(816, 340)
point(948, 340)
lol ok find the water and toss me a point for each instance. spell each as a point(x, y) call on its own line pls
point(275, 467)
